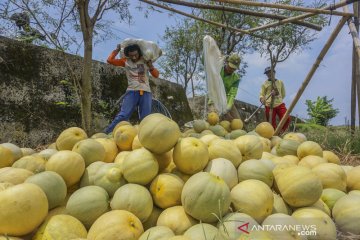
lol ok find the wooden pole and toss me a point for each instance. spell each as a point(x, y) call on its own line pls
point(306, 15)
point(200, 19)
point(355, 73)
point(312, 71)
point(355, 83)
point(241, 11)
point(286, 7)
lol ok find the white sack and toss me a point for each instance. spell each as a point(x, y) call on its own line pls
point(149, 49)
point(213, 62)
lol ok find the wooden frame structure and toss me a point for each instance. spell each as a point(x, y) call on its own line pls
point(347, 17)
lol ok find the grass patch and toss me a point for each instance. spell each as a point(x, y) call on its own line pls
point(338, 139)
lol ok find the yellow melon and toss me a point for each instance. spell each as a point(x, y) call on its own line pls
point(61, 227)
point(265, 129)
point(213, 118)
point(91, 150)
point(68, 164)
point(69, 137)
point(236, 124)
point(20, 217)
point(6, 156)
point(176, 219)
point(190, 155)
point(166, 190)
point(158, 133)
point(116, 224)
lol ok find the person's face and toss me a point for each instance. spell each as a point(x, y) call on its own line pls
point(268, 74)
point(229, 70)
point(134, 56)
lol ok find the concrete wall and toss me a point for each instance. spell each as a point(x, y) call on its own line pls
point(38, 98)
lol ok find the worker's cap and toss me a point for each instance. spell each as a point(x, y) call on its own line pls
point(234, 61)
point(267, 70)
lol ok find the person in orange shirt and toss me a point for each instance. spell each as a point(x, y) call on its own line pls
point(138, 93)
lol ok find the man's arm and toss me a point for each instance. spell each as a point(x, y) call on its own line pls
point(116, 62)
point(154, 72)
point(232, 94)
point(283, 92)
point(262, 94)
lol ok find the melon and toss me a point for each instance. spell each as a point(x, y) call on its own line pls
point(223, 168)
point(110, 147)
point(166, 190)
point(346, 213)
point(61, 227)
point(213, 118)
point(110, 177)
point(331, 176)
point(288, 227)
point(176, 219)
point(353, 179)
point(190, 155)
point(158, 133)
point(157, 233)
point(255, 169)
point(201, 231)
point(287, 147)
point(204, 194)
point(298, 186)
point(91, 151)
point(116, 224)
point(309, 148)
point(124, 137)
point(31, 163)
point(236, 124)
point(53, 186)
point(250, 147)
point(265, 129)
point(133, 198)
point(68, 164)
point(199, 125)
point(87, 204)
point(221, 148)
point(14, 175)
point(6, 156)
point(331, 157)
point(311, 161)
point(323, 225)
point(16, 151)
point(140, 166)
point(258, 202)
point(330, 196)
point(20, 217)
point(69, 137)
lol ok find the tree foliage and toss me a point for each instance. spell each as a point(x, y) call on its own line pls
point(321, 111)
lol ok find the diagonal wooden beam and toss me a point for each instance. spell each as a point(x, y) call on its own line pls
point(285, 6)
point(302, 16)
point(309, 76)
point(241, 11)
point(201, 19)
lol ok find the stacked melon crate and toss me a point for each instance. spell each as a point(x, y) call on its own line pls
point(152, 181)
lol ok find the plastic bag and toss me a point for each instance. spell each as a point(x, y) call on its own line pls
point(150, 50)
point(213, 62)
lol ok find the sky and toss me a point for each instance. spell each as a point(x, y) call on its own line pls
point(332, 78)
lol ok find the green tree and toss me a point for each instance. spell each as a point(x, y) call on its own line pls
point(321, 111)
point(183, 45)
point(69, 26)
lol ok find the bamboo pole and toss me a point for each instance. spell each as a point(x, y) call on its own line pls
point(355, 83)
point(286, 7)
point(355, 74)
point(312, 71)
point(241, 11)
point(302, 16)
point(202, 19)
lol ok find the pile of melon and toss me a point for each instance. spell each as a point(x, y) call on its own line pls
point(151, 181)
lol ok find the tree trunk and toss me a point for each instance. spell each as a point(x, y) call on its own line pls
point(87, 28)
point(86, 87)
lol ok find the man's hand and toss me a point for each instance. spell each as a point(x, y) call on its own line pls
point(150, 65)
point(118, 48)
point(262, 100)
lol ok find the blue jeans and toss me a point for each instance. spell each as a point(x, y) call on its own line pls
point(131, 101)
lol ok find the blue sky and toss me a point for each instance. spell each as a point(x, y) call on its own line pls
point(332, 79)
